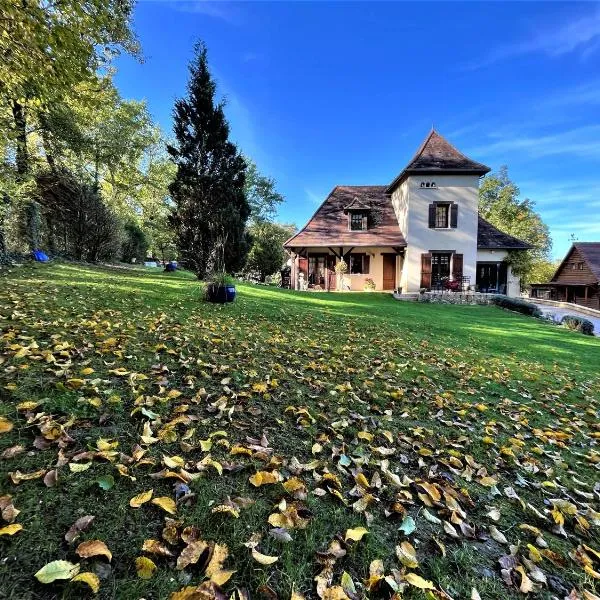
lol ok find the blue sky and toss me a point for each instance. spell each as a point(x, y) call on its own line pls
point(322, 93)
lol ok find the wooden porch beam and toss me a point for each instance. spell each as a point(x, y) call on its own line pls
point(348, 252)
point(334, 252)
point(398, 249)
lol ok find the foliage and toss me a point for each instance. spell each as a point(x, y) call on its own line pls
point(369, 285)
point(578, 324)
point(135, 245)
point(542, 271)
point(260, 193)
point(266, 254)
point(517, 305)
point(295, 436)
point(499, 203)
point(211, 209)
point(341, 267)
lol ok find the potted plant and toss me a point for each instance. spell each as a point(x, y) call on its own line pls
point(220, 288)
point(369, 285)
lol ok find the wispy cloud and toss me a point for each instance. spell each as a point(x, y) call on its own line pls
point(581, 34)
point(314, 198)
point(586, 94)
point(580, 141)
point(210, 8)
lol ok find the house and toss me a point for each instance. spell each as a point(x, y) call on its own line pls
point(420, 231)
point(577, 279)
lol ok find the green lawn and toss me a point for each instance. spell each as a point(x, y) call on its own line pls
point(479, 426)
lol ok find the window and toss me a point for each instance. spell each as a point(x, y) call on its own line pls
point(440, 267)
point(358, 221)
point(359, 264)
point(428, 184)
point(580, 266)
point(441, 215)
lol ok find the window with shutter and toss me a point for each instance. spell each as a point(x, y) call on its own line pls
point(454, 216)
point(457, 266)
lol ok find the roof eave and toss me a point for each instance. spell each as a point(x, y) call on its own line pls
point(434, 171)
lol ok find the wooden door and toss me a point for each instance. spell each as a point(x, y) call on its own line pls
point(389, 271)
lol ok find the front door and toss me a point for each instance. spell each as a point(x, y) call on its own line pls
point(440, 267)
point(389, 271)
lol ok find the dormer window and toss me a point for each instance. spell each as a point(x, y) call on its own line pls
point(358, 221)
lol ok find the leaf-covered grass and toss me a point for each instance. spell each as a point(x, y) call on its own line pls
point(366, 410)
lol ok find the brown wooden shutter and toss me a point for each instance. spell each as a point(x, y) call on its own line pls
point(431, 216)
point(303, 267)
point(457, 266)
point(426, 271)
point(366, 264)
point(454, 215)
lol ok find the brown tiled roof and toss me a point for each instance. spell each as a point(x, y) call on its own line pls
point(591, 253)
point(329, 225)
point(438, 155)
point(491, 238)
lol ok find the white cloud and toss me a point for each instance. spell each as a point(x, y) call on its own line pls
point(581, 141)
point(210, 8)
point(581, 34)
point(314, 198)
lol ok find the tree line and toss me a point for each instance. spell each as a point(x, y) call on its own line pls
point(87, 175)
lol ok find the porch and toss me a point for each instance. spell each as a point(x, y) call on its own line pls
point(368, 268)
point(582, 294)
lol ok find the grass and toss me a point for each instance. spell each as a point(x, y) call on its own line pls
point(449, 395)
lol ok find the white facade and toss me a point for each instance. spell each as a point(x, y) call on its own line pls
point(411, 204)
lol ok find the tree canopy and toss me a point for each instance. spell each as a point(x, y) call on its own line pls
point(500, 204)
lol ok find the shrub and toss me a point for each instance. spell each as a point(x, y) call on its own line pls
point(369, 285)
point(517, 305)
point(578, 324)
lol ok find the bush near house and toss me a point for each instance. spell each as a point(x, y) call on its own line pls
point(578, 324)
point(517, 305)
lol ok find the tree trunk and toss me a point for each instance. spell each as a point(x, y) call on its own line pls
point(22, 156)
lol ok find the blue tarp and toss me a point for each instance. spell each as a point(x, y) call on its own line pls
point(40, 256)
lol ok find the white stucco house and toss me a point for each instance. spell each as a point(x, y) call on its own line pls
point(423, 230)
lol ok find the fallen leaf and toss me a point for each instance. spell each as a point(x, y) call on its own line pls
point(144, 567)
point(418, 581)
point(90, 578)
point(5, 425)
point(57, 569)
point(93, 548)
point(166, 503)
point(11, 529)
point(191, 554)
point(140, 499)
point(263, 559)
point(80, 525)
point(407, 555)
point(355, 534)
point(408, 525)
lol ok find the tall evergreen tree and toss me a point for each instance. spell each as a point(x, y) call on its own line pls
point(211, 208)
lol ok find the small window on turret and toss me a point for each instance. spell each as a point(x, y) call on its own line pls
point(428, 184)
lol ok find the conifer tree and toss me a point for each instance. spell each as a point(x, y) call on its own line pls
point(211, 208)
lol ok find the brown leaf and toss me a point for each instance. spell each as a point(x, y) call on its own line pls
point(82, 524)
point(156, 547)
point(51, 478)
point(93, 548)
point(191, 554)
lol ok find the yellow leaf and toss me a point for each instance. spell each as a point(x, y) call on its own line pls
point(145, 567)
point(215, 570)
point(526, 583)
point(191, 554)
point(173, 462)
point(5, 425)
point(27, 405)
point(11, 529)
point(166, 503)
point(263, 478)
point(140, 499)
point(407, 555)
point(418, 581)
point(174, 394)
point(57, 569)
point(90, 578)
point(225, 508)
point(263, 559)
point(355, 534)
point(86, 371)
point(93, 548)
point(74, 384)
point(79, 467)
point(156, 547)
point(488, 481)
